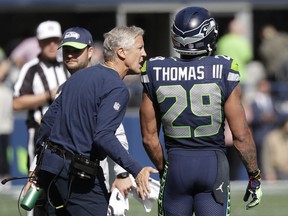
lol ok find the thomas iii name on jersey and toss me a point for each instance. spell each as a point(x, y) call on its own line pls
point(185, 73)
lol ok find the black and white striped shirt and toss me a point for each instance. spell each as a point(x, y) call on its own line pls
point(36, 77)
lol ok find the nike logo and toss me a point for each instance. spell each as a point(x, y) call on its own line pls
point(220, 187)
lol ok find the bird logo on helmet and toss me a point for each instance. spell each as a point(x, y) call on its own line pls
point(194, 32)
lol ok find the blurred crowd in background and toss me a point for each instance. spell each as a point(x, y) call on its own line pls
point(264, 84)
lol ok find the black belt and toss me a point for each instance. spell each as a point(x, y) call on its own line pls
point(59, 150)
point(81, 165)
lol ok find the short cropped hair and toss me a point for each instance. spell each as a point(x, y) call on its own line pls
point(123, 37)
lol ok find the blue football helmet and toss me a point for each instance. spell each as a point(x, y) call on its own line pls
point(194, 32)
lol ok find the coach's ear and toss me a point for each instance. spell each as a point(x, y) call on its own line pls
point(121, 53)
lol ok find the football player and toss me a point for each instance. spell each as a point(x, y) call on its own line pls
point(191, 97)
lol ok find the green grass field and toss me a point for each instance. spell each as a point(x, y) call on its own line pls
point(274, 202)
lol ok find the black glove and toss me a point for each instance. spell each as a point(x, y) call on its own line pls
point(254, 189)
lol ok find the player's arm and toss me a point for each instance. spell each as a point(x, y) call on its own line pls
point(150, 126)
point(244, 144)
point(242, 137)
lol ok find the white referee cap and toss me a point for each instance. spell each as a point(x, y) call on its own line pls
point(48, 29)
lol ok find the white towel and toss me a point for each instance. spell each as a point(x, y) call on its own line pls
point(154, 192)
point(119, 205)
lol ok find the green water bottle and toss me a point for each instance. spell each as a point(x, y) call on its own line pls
point(31, 197)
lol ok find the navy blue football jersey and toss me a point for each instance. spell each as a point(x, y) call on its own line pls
point(190, 97)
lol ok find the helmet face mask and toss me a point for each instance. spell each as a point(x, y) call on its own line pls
point(194, 32)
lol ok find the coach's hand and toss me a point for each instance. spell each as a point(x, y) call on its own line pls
point(142, 181)
point(254, 189)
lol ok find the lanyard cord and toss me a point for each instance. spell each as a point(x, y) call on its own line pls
point(54, 180)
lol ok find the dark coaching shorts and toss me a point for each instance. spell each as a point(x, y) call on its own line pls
point(195, 181)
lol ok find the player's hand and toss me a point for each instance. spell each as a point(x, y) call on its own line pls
point(254, 189)
point(142, 181)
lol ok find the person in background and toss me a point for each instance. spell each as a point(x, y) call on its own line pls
point(274, 153)
point(191, 97)
point(264, 115)
point(6, 114)
point(25, 51)
point(38, 81)
point(272, 54)
point(98, 53)
point(235, 45)
point(80, 125)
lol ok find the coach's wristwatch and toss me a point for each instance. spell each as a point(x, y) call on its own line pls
point(122, 175)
